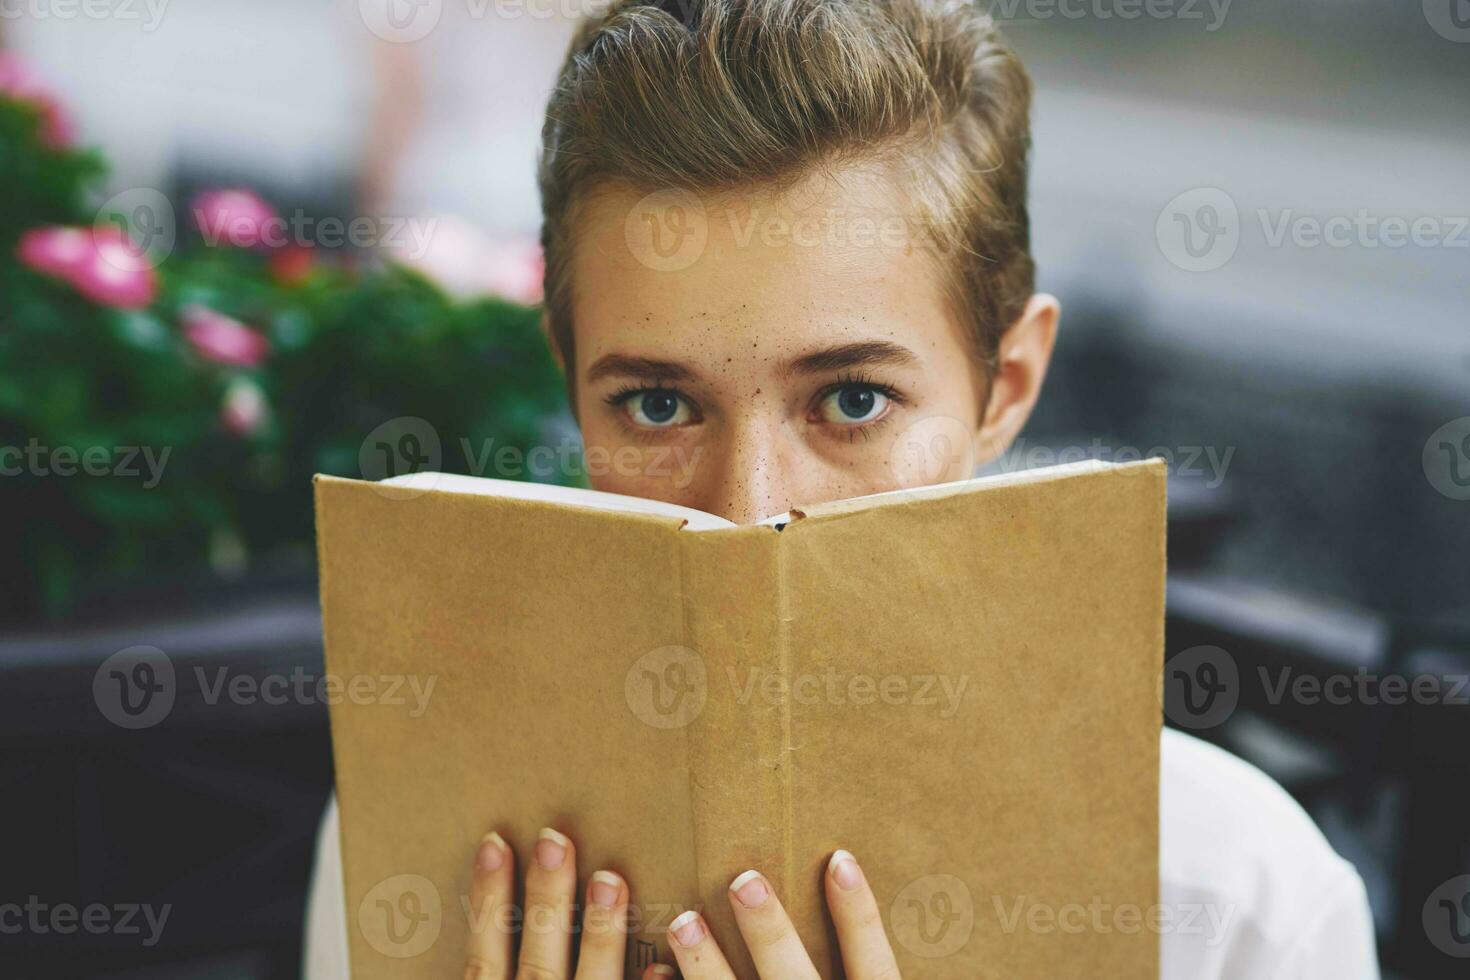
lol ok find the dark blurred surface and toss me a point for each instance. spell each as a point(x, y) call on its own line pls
point(210, 813)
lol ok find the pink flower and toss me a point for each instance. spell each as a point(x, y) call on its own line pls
point(19, 83)
point(244, 410)
point(456, 255)
point(55, 251)
point(100, 263)
point(237, 217)
point(515, 273)
point(222, 339)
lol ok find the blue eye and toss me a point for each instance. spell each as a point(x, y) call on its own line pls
point(851, 404)
point(657, 409)
point(659, 406)
point(856, 403)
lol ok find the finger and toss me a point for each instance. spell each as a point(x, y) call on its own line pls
point(492, 890)
point(698, 955)
point(769, 935)
point(866, 952)
point(658, 971)
point(551, 884)
point(604, 929)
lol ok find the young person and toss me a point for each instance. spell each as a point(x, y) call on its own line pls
point(782, 238)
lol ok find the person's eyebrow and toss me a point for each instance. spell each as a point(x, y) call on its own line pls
point(852, 355)
point(646, 368)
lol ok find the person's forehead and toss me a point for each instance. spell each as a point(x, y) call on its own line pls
point(774, 272)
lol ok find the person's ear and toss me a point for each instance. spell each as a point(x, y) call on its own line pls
point(1021, 363)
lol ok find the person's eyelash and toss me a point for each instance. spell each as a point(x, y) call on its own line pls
point(860, 380)
point(866, 430)
point(629, 391)
point(649, 437)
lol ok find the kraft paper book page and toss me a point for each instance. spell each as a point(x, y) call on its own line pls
point(960, 684)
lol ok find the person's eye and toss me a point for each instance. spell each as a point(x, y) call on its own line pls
point(854, 404)
point(656, 408)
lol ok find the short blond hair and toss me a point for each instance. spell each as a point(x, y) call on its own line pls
point(714, 95)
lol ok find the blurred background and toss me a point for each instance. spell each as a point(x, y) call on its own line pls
point(1255, 215)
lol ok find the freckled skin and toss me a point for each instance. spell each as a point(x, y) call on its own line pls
point(755, 436)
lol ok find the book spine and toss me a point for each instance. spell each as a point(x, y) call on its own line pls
point(738, 743)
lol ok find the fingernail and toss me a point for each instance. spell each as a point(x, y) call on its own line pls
point(662, 969)
point(688, 929)
point(751, 889)
point(605, 889)
point(845, 870)
point(551, 849)
point(491, 856)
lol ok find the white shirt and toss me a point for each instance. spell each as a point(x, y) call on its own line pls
point(1250, 888)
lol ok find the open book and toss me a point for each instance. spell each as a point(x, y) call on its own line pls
point(960, 684)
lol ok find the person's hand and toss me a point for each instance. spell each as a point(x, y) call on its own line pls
point(773, 943)
point(546, 926)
